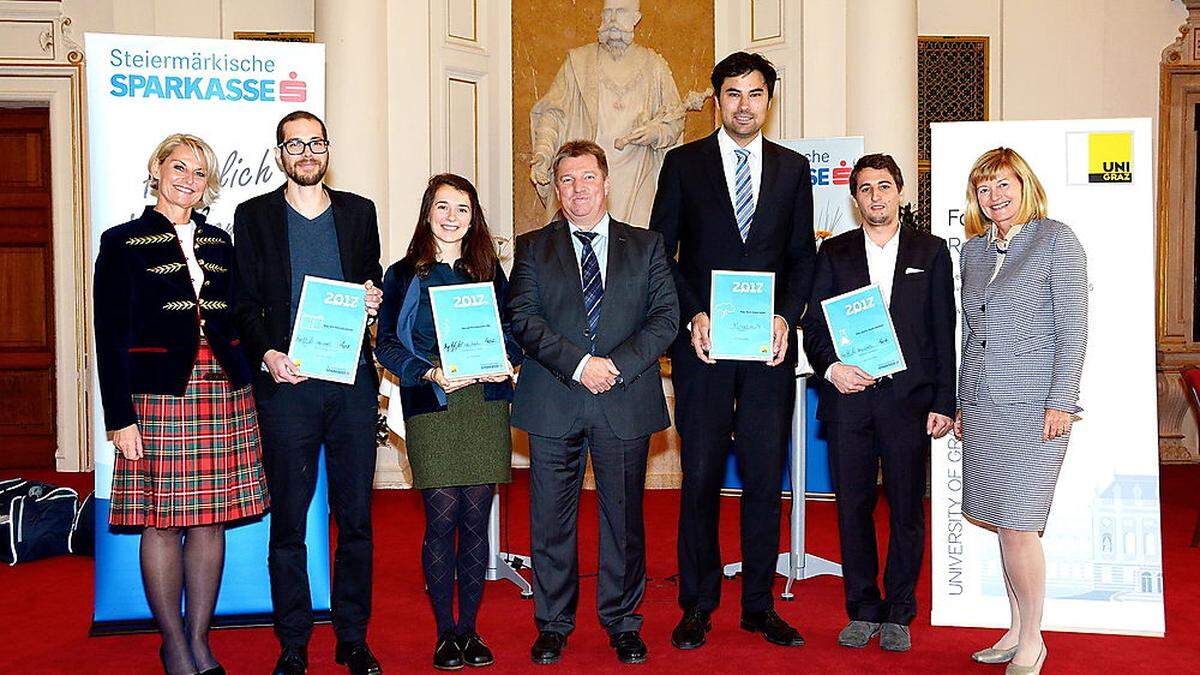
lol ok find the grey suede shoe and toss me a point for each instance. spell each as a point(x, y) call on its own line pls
point(857, 634)
point(895, 637)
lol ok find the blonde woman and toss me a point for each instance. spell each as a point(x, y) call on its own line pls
point(1024, 333)
point(176, 393)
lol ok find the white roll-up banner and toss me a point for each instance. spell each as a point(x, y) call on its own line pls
point(1102, 542)
point(231, 93)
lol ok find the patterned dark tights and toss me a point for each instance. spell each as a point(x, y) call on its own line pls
point(463, 511)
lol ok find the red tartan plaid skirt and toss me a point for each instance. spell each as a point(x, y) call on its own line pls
point(203, 459)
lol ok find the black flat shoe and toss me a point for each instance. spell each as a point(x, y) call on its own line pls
point(773, 628)
point(691, 631)
point(548, 647)
point(447, 655)
point(357, 658)
point(630, 647)
point(475, 652)
point(292, 661)
point(215, 670)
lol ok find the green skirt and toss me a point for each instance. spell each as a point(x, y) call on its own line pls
point(468, 443)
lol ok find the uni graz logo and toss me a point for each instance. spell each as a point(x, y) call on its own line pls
point(1110, 157)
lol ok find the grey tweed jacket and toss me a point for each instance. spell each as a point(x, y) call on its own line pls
point(1025, 333)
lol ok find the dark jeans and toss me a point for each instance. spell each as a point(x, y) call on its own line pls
point(295, 422)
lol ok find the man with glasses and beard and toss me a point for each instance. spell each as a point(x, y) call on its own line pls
point(623, 97)
point(305, 228)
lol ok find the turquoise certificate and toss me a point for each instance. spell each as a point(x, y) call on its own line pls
point(328, 333)
point(742, 312)
point(862, 331)
point(470, 339)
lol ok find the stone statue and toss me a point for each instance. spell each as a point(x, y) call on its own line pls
point(623, 97)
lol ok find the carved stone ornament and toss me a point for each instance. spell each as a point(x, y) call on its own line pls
point(1185, 51)
point(53, 44)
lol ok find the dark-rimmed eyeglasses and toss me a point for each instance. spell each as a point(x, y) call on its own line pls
point(295, 146)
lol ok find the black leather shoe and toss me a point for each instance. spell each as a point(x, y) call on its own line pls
point(474, 651)
point(547, 648)
point(215, 670)
point(292, 661)
point(774, 629)
point(357, 658)
point(629, 646)
point(690, 632)
point(447, 655)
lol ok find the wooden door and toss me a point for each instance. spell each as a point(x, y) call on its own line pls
point(27, 434)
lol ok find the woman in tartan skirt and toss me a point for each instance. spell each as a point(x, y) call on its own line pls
point(176, 394)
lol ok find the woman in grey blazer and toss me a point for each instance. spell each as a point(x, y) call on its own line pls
point(1024, 332)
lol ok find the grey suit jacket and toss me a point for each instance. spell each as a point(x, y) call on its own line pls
point(1025, 333)
point(638, 319)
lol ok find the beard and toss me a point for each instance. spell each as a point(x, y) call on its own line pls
point(614, 37)
point(309, 177)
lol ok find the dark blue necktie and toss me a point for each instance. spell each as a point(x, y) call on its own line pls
point(593, 287)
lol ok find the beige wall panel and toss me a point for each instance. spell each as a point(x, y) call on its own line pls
point(184, 19)
point(462, 20)
point(543, 32)
point(824, 51)
point(132, 16)
point(766, 20)
point(266, 15)
point(462, 127)
point(22, 40)
point(975, 18)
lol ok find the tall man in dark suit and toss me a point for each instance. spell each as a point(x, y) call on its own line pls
point(891, 419)
point(306, 228)
point(734, 201)
point(594, 307)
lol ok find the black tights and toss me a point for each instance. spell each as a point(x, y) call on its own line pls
point(174, 559)
point(464, 510)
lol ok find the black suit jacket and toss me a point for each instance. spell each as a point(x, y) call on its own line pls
point(922, 310)
point(264, 290)
point(694, 213)
point(638, 320)
point(147, 315)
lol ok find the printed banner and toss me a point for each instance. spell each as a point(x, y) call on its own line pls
point(831, 160)
point(1102, 542)
point(232, 94)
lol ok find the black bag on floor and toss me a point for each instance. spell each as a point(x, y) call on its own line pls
point(35, 520)
point(83, 531)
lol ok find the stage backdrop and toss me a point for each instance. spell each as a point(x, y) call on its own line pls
point(1103, 553)
point(231, 94)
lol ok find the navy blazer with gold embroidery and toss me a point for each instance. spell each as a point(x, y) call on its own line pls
point(148, 318)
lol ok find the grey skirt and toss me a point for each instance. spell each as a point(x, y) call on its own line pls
point(1009, 472)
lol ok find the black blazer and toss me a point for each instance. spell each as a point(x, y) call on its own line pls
point(638, 320)
point(922, 310)
point(263, 304)
point(147, 317)
point(693, 211)
point(394, 345)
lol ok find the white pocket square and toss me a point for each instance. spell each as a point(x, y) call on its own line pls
point(913, 270)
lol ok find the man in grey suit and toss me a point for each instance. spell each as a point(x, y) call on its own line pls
point(594, 306)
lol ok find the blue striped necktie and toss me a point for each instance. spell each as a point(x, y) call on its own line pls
point(743, 197)
point(593, 287)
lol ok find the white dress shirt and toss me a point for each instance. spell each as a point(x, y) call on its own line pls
point(881, 263)
point(187, 240)
point(729, 162)
point(600, 248)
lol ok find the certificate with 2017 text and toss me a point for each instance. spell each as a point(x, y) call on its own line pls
point(862, 331)
point(469, 334)
point(742, 314)
point(328, 333)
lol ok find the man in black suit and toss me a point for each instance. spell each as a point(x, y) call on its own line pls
point(734, 201)
point(890, 419)
point(304, 228)
point(594, 307)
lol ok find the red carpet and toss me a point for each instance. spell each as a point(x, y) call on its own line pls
point(46, 610)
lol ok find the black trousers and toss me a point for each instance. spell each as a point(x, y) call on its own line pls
point(555, 478)
point(295, 422)
point(882, 432)
point(752, 403)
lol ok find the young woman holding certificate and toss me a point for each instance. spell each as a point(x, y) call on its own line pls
point(458, 436)
point(176, 391)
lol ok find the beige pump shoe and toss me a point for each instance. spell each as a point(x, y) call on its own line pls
point(1014, 669)
point(993, 655)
